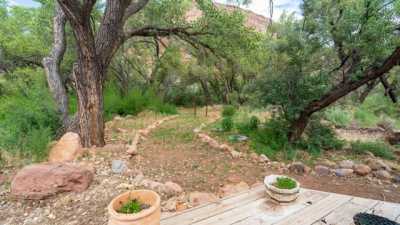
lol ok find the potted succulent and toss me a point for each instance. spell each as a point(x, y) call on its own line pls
point(282, 188)
point(139, 207)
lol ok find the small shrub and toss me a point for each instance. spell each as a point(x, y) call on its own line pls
point(227, 123)
point(365, 117)
point(379, 149)
point(254, 122)
point(285, 183)
point(228, 111)
point(132, 206)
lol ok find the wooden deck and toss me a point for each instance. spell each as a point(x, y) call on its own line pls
point(253, 207)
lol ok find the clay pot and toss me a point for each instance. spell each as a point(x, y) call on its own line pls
point(149, 216)
point(281, 195)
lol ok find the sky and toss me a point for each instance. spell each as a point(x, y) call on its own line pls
point(257, 6)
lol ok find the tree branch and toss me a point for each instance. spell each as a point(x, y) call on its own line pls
point(134, 7)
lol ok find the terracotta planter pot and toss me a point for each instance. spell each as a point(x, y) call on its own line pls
point(281, 195)
point(149, 216)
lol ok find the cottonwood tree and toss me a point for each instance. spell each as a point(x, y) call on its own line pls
point(96, 46)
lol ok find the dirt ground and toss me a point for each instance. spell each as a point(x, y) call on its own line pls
point(172, 152)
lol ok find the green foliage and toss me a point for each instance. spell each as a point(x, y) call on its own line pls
point(338, 116)
point(285, 183)
point(133, 102)
point(132, 206)
point(365, 118)
point(227, 123)
point(254, 122)
point(320, 137)
point(248, 125)
point(228, 111)
point(379, 149)
point(28, 117)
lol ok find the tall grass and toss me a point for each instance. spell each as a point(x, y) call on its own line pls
point(377, 148)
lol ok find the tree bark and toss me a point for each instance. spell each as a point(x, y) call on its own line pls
point(342, 89)
point(52, 63)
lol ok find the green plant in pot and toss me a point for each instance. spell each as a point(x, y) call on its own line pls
point(282, 188)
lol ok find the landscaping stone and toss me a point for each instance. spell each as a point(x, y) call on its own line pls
point(230, 189)
point(169, 205)
point(299, 168)
point(118, 166)
point(327, 163)
point(68, 148)
point(263, 158)
point(377, 164)
point(39, 181)
point(343, 172)
point(346, 164)
point(172, 188)
point(396, 179)
point(361, 169)
point(198, 198)
point(322, 170)
point(383, 174)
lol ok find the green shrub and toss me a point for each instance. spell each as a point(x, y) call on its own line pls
point(228, 110)
point(133, 102)
point(28, 116)
point(377, 148)
point(319, 137)
point(254, 122)
point(365, 118)
point(227, 123)
point(338, 116)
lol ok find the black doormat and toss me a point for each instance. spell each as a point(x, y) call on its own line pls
point(370, 219)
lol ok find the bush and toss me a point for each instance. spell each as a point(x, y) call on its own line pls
point(320, 137)
point(254, 122)
point(365, 118)
point(228, 111)
point(227, 123)
point(377, 148)
point(28, 116)
point(248, 125)
point(133, 102)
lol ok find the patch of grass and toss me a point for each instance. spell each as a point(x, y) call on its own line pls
point(228, 111)
point(132, 206)
point(365, 117)
point(379, 149)
point(285, 183)
point(339, 116)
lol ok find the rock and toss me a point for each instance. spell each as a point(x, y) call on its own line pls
point(343, 172)
point(377, 164)
point(169, 205)
point(263, 158)
point(322, 170)
point(132, 150)
point(396, 179)
point(235, 154)
point(299, 168)
point(234, 178)
point(118, 166)
point(125, 186)
point(256, 184)
point(346, 164)
point(198, 198)
point(137, 181)
point(361, 169)
point(327, 163)
point(68, 148)
point(383, 174)
point(254, 156)
point(230, 189)
point(39, 181)
point(172, 188)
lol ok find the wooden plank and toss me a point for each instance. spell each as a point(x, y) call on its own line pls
point(343, 215)
point(315, 212)
point(193, 215)
point(264, 210)
point(386, 209)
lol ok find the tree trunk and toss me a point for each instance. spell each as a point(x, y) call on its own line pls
point(89, 91)
point(51, 66)
point(342, 89)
